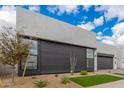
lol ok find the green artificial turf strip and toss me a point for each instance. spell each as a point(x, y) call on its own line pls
point(94, 80)
point(119, 74)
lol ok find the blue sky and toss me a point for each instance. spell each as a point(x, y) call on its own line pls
point(106, 21)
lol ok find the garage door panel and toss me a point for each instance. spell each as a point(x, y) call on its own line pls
point(104, 62)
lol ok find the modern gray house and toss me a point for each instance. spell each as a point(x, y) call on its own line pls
point(54, 42)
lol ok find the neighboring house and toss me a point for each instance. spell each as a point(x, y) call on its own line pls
point(54, 42)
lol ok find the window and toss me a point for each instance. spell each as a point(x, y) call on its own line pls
point(32, 61)
point(90, 58)
point(89, 53)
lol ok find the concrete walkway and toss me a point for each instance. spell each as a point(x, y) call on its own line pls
point(115, 84)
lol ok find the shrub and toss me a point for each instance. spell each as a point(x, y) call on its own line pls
point(65, 80)
point(56, 75)
point(40, 83)
point(33, 77)
point(83, 72)
point(109, 71)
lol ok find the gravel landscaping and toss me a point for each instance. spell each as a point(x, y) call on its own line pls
point(55, 80)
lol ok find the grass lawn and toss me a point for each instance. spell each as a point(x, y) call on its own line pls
point(119, 74)
point(94, 80)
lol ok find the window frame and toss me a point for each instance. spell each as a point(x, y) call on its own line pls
point(87, 65)
point(31, 39)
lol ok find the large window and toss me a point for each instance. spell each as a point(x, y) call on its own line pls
point(32, 61)
point(90, 58)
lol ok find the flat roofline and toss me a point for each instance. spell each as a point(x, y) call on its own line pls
point(55, 19)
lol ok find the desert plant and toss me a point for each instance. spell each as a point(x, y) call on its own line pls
point(33, 77)
point(56, 75)
point(40, 83)
point(12, 48)
point(83, 72)
point(73, 62)
point(109, 71)
point(65, 80)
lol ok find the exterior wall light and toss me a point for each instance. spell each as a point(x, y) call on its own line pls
point(95, 55)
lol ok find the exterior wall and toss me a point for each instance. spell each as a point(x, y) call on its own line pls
point(120, 57)
point(54, 57)
point(5, 69)
point(107, 49)
point(40, 26)
point(95, 60)
point(123, 58)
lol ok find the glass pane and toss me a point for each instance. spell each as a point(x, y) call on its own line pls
point(32, 62)
point(90, 53)
point(34, 44)
point(33, 52)
point(34, 47)
point(90, 62)
point(90, 58)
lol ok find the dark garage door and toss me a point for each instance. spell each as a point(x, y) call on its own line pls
point(55, 57)
point(104, 62)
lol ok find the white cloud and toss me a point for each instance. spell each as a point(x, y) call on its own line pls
point(8, 14)
point(61, 9)
point(86, 7)
point(111, 11)
point(52, 9)
point(117, 38)
point(88, 26)
point(100, 33)
point(118, 33)
point(120, 40)
point(118, 29)
point(34, 8)
point(107, 41)
point(91, 25)
point(99, 21)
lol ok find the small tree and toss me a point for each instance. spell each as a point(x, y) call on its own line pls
point(12, 48)
point(73, 62)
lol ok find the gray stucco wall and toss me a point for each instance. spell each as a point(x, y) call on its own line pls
point(120, 57)
point(5, 69)
point(108, 49)
point(40, 26)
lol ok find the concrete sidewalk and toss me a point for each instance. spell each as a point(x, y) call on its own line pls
point(115, 84)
